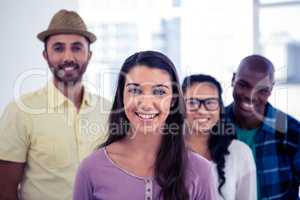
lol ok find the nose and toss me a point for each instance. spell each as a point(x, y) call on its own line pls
point(146, 102)
point(202, 109)
point(68, 56)
point(249, 95)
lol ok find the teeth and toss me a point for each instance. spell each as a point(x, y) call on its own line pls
point(247, 105)
point(202, 120)
point(69, 68)
point(146, 116)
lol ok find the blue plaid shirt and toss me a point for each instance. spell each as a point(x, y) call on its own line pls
point(277, 145)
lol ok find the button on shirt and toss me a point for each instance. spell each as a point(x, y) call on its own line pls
point(44, 130)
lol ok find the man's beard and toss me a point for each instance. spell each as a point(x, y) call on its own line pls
point(62, 76)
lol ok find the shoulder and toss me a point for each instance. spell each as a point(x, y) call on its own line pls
point(241, 155)
point(99, 99)
point(239, 148)
point(197, 160)
point(198, 166)
point(30, 103)
point(26, 104)
point(293, 124)
point(93, 162)
point(95, 157)
point(283, 117)
point(32, 96)
point(100, 102)
point(200, 177)
point(95, 97)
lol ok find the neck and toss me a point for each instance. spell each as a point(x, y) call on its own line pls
point(247, 123)
point(74, 92)
point(198, 142)
point(144, 144)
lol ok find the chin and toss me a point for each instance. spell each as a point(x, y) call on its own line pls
point(147, 129)
point(71, 81)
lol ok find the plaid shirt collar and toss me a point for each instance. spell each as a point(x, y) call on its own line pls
point(270, 123)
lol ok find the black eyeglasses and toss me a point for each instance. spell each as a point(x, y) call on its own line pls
point(210, 104)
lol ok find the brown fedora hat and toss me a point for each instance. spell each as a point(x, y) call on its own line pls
point(67, 22)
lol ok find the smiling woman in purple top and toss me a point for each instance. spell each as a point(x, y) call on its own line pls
point(144, 156)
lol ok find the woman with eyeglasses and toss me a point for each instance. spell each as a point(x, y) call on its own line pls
point(209, 135)
point(145, 156)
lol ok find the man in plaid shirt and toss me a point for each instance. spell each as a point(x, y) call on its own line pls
point(273, 136)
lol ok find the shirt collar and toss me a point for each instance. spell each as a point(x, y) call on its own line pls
point(271, 117)
point(274, 120)
point(87, 98)
point(56, 98)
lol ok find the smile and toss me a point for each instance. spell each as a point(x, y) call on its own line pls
point(70, 68)
point(146, 116)
point(202, 120)
point(247, 106)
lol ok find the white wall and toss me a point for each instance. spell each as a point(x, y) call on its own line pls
point(20, 50)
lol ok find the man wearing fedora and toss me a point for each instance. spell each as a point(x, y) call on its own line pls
point(45, 134)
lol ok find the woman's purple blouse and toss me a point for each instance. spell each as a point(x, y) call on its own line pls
point(99, 178)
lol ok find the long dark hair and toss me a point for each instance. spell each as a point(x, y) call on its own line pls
point(171, 157)
point(220, 137)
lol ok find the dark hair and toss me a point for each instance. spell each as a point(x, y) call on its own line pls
point(220, 138)
point(171, 157)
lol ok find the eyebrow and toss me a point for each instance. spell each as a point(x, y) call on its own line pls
point(58, 43)
point(138, 85)
point(132, 84)
point(77, 43)
point(244, 82)
point(161, 85)
point(208, 98)
point(74, 43)
point(257, 86)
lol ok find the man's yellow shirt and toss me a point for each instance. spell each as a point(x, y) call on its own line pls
point(44, 130)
